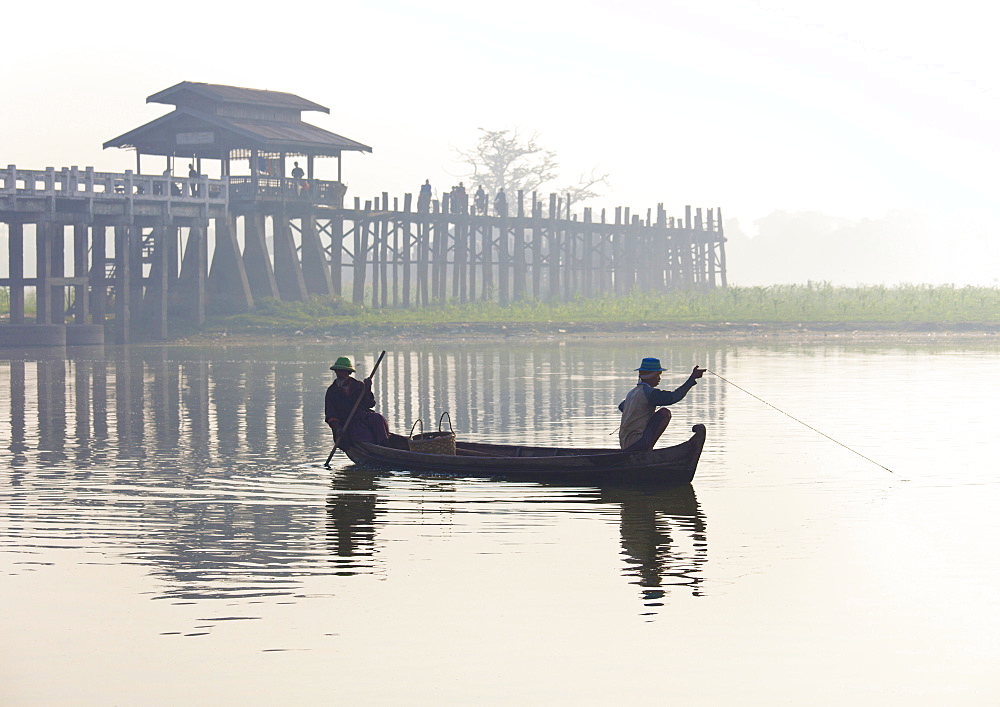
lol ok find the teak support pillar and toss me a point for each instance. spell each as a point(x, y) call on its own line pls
point(256, 260)
point(228, 282)
point(123, 289)
point(193, 279)
point(43, 265)
point(98, 274)
point(314, 269)
point(287, 271)
point(81, 298)
point(155, 307)
point(15, 255)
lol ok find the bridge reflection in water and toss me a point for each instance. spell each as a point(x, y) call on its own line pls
point(204, 464)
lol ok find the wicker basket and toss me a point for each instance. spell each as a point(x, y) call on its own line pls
point(440, 442)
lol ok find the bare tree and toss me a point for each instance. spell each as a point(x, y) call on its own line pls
point(510, 160)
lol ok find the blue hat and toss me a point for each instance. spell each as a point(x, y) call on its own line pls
point(650, 364)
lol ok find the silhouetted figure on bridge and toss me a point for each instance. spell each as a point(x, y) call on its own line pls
point(481, 201)
point(500, 203)
point(424, 198)
point(193, 174)
point(459, 200)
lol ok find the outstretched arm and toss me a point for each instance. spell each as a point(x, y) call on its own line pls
point(669, 397)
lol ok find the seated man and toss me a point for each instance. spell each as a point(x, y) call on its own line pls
point(366, 425)
point(642, 424)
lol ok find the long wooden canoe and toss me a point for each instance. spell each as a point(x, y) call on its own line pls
point(669, 465)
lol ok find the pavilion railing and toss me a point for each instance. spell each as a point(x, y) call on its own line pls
point(265, 188)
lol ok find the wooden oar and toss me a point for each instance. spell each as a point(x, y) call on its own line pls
point(353, 410)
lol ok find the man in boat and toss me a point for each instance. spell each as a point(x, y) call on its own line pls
point(366, 425)
point(642, 424)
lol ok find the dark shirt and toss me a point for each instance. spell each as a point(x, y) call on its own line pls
point(340, 400)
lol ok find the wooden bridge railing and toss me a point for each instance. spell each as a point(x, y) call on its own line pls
point(264, 188)
point(73, 182)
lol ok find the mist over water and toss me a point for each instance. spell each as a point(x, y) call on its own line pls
point(168, 534)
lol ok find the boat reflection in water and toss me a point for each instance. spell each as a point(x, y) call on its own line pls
point(663, 538)
point(203, 465)
point(351, 513)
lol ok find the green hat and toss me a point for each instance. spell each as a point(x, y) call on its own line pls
point(649, 365)
point(343, 364)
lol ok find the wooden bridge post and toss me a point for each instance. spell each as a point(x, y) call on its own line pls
point(537, 238)
point(336, 231)
point(643, 260)
point(618, 266)
point(256, 260)
point(81, 299)
point(360, 254)
point(383, 225)
point(684, 261)
point(571, 237)
point(136, 239)
point(555, 249)
point(99, 273)
point(15, 258)
point(376, 234)
point(423, 259)
point(228, 281)
point(587, 256)
point(58, 273)
point(503, 258)
point(409, 244)
point(123, 289)
point(155, 303)
point(486, 257)
point(433, 248)
point(458, 280)
point(390, 251)
point(519, 262)
point(172, 254)
point(287, 270)
point(193, 279)
point(468, 231)
point(721, 240)
point(702, 259)
point(314, 269)
point(43, 265)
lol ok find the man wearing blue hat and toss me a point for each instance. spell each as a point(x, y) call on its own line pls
point(642, 424)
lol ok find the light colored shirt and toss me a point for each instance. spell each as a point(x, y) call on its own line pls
point(640, 404)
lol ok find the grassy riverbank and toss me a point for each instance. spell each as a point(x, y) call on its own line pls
point(814, 306)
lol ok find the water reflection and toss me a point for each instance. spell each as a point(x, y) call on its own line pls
point(663, 531)
point(351, 515)
point(664, 540)
point(202, 464)
point(215, 406)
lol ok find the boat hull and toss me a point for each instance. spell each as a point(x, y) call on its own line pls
point(669, 465)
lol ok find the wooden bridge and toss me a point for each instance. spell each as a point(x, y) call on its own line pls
point(135, 252)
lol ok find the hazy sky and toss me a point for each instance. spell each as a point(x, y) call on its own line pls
point(852, 109)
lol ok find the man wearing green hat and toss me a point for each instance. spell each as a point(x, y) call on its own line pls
point(642, 424)
point(366, 425)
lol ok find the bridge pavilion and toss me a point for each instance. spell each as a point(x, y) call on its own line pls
point(232, 124)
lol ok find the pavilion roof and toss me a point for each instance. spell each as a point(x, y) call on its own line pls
point(193, 133)
point(182, 93)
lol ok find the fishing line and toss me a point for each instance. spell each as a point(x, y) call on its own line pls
point(806, 424)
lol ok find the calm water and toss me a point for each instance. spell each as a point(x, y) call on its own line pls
point(168, 536)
